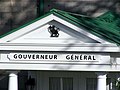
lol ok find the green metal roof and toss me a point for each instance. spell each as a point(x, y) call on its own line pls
point(106, 26)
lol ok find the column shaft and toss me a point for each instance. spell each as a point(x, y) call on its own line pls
point(101, 81)
point(13, 81)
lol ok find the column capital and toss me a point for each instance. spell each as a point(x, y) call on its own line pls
point(12, 71)
point(101, 73)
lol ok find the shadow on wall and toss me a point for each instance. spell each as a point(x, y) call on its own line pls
point(14, 13)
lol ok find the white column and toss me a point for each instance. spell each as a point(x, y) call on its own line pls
point(101, 81)
point(13, 80)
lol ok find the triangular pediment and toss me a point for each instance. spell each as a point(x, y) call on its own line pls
point(44, 36)
point(38, 32)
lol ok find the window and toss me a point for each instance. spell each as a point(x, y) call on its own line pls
point(60, 83)
point(91, 84)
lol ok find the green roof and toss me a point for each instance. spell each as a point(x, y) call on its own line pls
point(106, 26)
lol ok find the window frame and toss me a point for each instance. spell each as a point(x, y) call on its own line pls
point(61, 81)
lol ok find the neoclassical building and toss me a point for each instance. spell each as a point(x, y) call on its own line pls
point(62, 51)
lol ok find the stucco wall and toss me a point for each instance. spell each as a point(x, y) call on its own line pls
point(14, 13)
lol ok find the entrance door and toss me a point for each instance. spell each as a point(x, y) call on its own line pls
point(60, 83)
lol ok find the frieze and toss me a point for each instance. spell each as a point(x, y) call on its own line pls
point(53, 57)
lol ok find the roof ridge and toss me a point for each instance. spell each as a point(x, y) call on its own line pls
point(66, 12)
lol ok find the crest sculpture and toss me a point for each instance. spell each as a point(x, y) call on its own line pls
point(53, 30)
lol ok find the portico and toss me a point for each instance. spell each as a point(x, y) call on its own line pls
point(60, 51)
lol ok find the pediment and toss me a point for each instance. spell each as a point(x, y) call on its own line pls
point(38, 32)
point(44, 36)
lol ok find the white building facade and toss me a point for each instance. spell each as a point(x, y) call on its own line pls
point(57, 54)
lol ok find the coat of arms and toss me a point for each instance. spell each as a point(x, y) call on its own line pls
point(53, 30)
